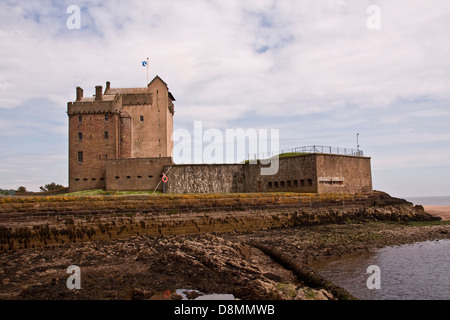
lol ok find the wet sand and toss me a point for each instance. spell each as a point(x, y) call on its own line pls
point(439, 211)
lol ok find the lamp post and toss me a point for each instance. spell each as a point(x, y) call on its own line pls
point(357, 143)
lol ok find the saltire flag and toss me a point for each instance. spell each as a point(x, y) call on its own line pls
point(144, 63)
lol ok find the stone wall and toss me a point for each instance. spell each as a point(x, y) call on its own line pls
point(214, 178)
point(343, 174)
point(135, 174)
point(295, 174)
point(309, 173)
point(99, 142)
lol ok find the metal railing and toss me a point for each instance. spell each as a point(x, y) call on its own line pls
point(308, 150)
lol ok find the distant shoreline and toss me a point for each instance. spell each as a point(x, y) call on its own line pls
point(439, 211)
point(429, 201)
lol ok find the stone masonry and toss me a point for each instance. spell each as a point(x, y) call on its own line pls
point(121, 139)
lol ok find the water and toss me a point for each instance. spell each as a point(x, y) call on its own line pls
point(429, 201)
point(411, 272)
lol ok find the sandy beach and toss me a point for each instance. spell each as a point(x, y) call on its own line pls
point(439, 211)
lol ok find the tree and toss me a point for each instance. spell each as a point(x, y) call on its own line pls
point(21, 189)
point(50, 187)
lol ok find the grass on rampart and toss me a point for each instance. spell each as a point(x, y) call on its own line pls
point(101, 192)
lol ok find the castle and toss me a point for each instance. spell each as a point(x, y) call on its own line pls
point(120, 139)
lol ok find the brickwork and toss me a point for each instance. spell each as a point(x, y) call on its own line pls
point(310, 173)
point(117, 124)
point(135, 174)
point(343, 174)
point(214, 178)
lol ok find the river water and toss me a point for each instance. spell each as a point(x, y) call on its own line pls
point(419, 271)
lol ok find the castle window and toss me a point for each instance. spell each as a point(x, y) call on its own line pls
point(85, 179)
point(80, 156)
point(282, 183)
point(117, 177)
point(93, 179)
point(295, 183)
point(102, 179)
point(106, 135)
point(77, 179)
point(309, 182)
point(288, 183)
point(302, 183)
point(80, 119)
point(275, 184)
point(128, 177)
point(269, 184)
point(142, 118)
point(139, 177)
point(80, 136)
point(106, 118)
point(150, 177)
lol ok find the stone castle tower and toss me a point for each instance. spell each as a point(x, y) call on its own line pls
point(119, 123)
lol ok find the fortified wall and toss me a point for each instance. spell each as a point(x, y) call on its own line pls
point(308, 173)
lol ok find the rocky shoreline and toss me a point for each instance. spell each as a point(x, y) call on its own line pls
point(154, 267)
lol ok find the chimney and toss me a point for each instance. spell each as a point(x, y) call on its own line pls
point(79, 94)
point(98, 93)
point(108, 85)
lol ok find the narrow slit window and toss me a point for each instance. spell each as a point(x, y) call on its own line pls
point(142, 118)
point(80, 136)
point(80, 156)
point(106, 135)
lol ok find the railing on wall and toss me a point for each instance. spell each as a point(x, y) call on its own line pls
point(308, 150)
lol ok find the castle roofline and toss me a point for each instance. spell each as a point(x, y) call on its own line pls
point(126, 91)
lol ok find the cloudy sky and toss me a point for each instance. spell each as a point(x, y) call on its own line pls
point(312, 69)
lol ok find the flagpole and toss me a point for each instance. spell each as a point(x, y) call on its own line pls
point(147, 69)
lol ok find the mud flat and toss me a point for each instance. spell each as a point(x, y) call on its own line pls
point(154, 267)
point(249, 246)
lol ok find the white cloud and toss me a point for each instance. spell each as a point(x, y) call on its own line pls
point(313, 62)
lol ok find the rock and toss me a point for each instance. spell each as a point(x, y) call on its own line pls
point(175, 296)
point(191, 295)
point(273, 277)
point(138, 294)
